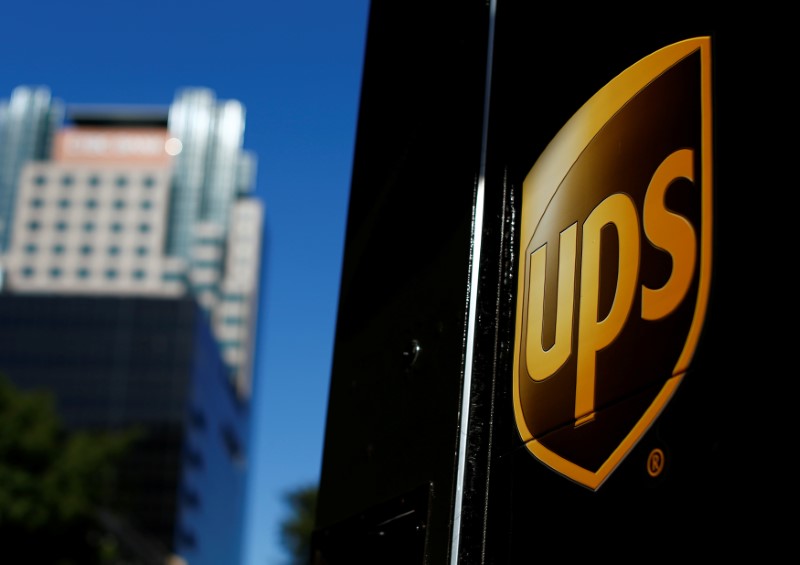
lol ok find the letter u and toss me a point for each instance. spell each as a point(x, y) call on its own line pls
point(544, 363)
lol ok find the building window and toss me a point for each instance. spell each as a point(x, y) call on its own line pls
point(88, 227)
point(83, 273)
point(144, 228)
point(190, 498)
point(111, 274)
point(206, 265)
point(64, 203)
point(58, 249)
point(67, 180)
point(141, 251)
point(116, 227)
point(34, 225)
point(31, 248)
point(40, 180)
point(187, 539)
point(55, 272)
point(194, 457)
point(91, 203)
point(232, 445)
point(121, 181)
point(37, 202)
point(113, 250)
point(61, 225)
point(86, 249)
point(119, 204)
point(146, 204)
point(139, 274)
point(94, 180)
point(149, 181)
point(197, 418)
point(28, 271)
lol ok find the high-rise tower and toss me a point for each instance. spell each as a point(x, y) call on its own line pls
point(134, 201)
point(130, 247)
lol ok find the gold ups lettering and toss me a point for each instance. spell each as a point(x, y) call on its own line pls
point(615, 266)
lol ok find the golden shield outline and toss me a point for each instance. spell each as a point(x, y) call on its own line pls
point(540, 188)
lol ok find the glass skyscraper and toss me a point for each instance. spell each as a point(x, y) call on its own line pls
point(130, 247)
point(27, 122)
point(135, 201)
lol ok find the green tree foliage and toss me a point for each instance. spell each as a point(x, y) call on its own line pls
point(296, 529)
point(52, 482)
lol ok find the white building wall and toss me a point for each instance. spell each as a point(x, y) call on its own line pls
point(90, 228)
point(236, 314)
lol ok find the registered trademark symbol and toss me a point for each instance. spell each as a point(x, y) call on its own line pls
point(655, 462)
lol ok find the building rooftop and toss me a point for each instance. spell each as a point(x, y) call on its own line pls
point(116, 116)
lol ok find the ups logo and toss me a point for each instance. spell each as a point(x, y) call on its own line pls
point(615, 264)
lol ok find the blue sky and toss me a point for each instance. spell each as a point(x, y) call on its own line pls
point(296, 66)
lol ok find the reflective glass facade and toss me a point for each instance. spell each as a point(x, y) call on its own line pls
point(130, 261)
point(27, 121)
point(152, 364)
point(135, 201)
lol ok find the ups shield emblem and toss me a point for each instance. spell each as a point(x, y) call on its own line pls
point(615, 264)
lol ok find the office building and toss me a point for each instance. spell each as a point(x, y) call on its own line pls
point(130, 245)
point(134, 201)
